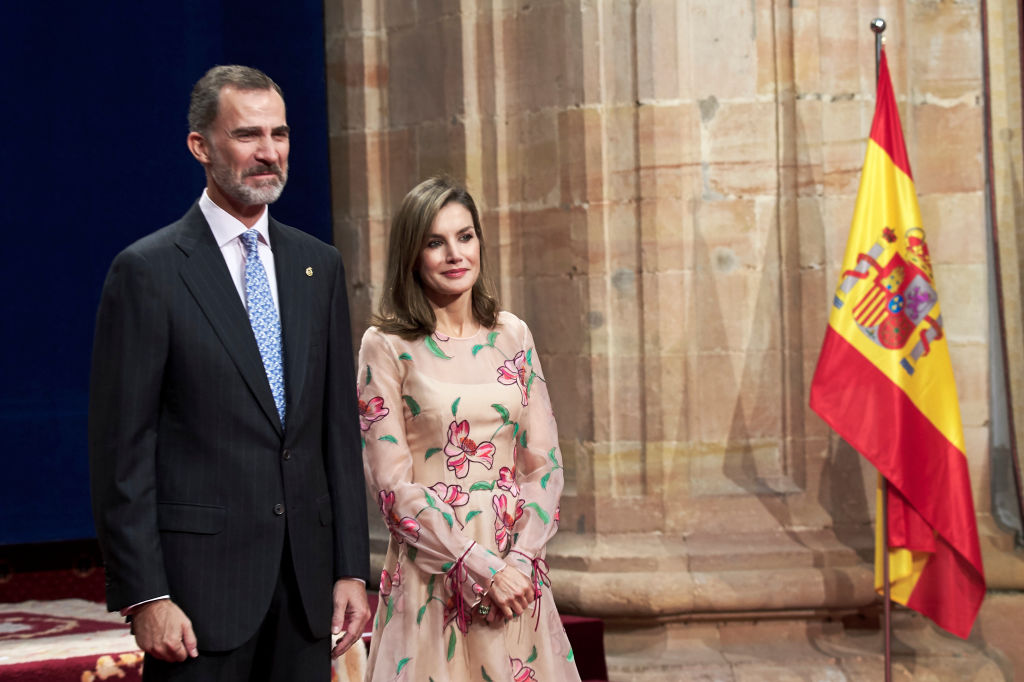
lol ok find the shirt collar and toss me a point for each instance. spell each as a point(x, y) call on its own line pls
point(226, 227)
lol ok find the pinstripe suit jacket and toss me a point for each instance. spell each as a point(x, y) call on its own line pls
point(197, 490)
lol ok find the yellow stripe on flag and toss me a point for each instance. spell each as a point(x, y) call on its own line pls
point(905, 566)
point(887, 199)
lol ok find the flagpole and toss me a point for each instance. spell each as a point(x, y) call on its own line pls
point(878, 27)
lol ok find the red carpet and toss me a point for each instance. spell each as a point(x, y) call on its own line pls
point(65, 639)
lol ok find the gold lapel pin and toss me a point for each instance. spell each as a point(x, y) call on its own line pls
point(309, 272)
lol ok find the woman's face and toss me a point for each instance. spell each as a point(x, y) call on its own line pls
point(449, 261)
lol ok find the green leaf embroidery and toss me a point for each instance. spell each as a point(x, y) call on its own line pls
point(369, 375)
point(448, 518)
point(447, 565)
point(540, 512)
point(503, 411)
point(412, 553)
point(570, 656)
point(389, 438)
point(472, 514)
point(431, 452)
point(430, 500)
point(533, 656)
point(430, 586)
point(483, 671)
point(515, 431)
point(391, 610)
point(551, 456)
point(419, 614)
point(401, 664)
point(451, 644)
point(363, 438)
point(529, 383)
point(455, 406)
point(544, 480)
point(482, 485)
point(405, 356)
point(435, 349)
point(414, 406)
point(477, 348)
point(491, 553)
point(529, 357)
point(491, 338)
point(522, 438)
point(376, 620)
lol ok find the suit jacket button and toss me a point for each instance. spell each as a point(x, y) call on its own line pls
point(278, 509)
point(286, 455)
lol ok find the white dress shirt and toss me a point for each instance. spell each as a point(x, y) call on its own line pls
point(227, 230)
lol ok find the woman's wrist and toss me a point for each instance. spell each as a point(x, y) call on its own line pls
point(490, 584)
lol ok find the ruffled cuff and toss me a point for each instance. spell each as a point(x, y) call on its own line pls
point(468, 579)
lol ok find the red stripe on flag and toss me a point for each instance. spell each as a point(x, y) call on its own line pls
point(885, 127)
point(878, 420)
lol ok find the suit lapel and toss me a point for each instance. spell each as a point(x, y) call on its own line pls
point(294, 295)
point(207, 278)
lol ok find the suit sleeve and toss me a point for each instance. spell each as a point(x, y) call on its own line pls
point(343, 454)
point(129, 354)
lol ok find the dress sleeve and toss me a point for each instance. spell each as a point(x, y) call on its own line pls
point(413, 514)
point(538, 465)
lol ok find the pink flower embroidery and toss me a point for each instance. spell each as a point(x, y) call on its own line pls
point(503, 520)
point(372, 411)
point(387, 581)
point(461, 450)
point(452, 495)
point(520, 671)
point(514, 372)
point(405, 528)
point(507, 480)
point(506, 476)
point(440, 337)
point(557, 510)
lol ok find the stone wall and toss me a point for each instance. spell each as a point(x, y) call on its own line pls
point(666, 189)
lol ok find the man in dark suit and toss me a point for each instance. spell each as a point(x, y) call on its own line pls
point(224, 442)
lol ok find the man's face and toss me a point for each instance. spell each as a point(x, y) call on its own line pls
point(247, 147)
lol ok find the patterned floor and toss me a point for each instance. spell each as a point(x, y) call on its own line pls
point(75, 640)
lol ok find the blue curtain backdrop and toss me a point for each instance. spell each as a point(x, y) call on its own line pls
point(94, 116)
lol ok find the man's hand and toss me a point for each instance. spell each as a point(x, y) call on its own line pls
point(163, 630)
point(351, 611)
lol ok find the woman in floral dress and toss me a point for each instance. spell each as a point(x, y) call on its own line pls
point(461, 454)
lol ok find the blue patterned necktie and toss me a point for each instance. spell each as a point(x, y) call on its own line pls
point(266, 325)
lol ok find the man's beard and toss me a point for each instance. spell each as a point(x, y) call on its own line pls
point(264, 192)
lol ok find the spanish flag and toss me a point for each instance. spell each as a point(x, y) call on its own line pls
point(884, 383)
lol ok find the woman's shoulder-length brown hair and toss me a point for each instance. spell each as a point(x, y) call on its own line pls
point(404, 309)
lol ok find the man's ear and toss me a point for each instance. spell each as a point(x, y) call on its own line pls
point(197, 144)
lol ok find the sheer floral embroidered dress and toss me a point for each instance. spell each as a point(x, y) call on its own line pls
point(461, 452)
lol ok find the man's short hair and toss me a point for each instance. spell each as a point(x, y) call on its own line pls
point(202, 109)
